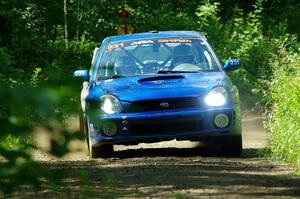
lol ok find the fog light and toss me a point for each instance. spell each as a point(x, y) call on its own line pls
point(221, 120)
point(109, 129)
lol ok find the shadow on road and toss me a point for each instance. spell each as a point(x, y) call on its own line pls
point(170, 173)
point(179, 152)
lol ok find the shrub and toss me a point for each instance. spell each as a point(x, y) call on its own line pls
point(284, 115)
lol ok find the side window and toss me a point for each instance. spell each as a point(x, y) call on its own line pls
point(94, 59)
point(95, 53)
point(205, 60)
point(208, 58)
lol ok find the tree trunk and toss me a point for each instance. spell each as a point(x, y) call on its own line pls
point(66, 23)
point(77, 25)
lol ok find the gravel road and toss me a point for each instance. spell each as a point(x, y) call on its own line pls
point(173, 170)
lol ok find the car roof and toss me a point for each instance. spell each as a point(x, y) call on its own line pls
point(154, 34)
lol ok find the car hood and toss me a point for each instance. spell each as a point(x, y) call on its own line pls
point(159, 86)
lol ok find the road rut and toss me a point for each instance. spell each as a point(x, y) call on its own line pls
point(174, 170)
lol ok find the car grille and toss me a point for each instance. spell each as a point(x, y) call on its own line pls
point(166, 126)
point(155, 105)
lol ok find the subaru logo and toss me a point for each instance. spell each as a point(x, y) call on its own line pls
point(164, 105)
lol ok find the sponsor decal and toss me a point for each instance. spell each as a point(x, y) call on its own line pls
point(174, 40)
point(142, 42)
point(113, 46)
point(235, 62)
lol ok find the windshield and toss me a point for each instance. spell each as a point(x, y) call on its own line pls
point(156, 56)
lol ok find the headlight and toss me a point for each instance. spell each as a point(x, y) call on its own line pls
point(110, 104)
point(216, 97)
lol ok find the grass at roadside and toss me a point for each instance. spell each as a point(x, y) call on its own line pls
point(284, 114)
point(12, 140)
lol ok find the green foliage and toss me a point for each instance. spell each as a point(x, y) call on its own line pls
point(19, 167)
point(207, 13)
point(11, 141)
point(241, 36)
point(22, 109)
point(283, 117)
point(179, 195)
point(6, 59)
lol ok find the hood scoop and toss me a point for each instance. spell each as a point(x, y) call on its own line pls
point(160, 79)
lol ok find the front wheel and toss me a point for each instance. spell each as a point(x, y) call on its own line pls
point(84, 128)
point(103, 151)
point(231, 146)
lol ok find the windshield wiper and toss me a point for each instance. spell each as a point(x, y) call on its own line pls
point(116, 76)
point(175, 71)
point(111, 77)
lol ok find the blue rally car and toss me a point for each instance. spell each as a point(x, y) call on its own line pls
point(158, 86)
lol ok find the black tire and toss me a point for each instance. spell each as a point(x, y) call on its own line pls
point(84, 129)
point(81, 125)
point(103, 151)
point(231, 145)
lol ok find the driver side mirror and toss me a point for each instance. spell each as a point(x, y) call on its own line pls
point(82, 74)
point(232, 64)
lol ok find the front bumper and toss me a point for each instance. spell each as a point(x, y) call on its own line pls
point(191, 124)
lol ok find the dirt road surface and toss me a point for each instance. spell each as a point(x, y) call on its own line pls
point(173, 170)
